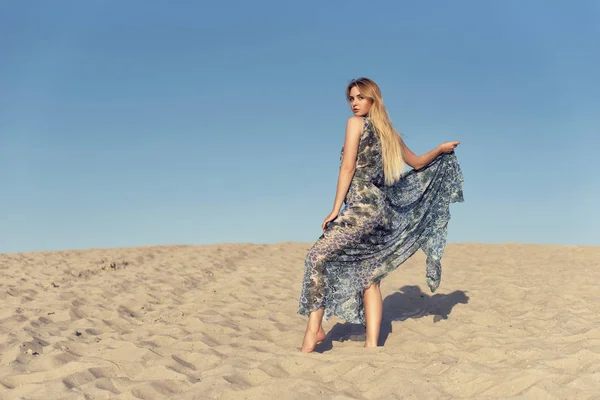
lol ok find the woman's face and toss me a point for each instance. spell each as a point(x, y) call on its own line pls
point(358, 104)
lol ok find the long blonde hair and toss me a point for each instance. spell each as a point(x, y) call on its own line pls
point(393, 161)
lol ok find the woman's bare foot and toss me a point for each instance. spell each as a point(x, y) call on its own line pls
point(370, 345)
point(311, 339)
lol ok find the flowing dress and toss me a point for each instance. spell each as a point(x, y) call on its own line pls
point(378, 229)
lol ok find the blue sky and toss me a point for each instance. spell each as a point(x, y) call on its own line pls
point(128, 123)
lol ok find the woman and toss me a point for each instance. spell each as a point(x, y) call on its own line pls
point(388, 216)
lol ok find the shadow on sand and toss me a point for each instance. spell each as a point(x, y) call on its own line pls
point(408, 302)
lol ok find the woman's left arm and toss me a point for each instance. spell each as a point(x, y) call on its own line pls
point(348, 166)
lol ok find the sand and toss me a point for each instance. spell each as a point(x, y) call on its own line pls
point(220, 322)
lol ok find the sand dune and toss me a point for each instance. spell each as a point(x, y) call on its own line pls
point(220, 322)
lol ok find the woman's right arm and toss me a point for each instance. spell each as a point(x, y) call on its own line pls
point(418, 162)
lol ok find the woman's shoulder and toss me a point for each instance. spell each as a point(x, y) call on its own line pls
point(356, 122)
point(357, 119)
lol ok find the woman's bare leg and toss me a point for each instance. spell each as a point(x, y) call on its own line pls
point(314, 331)
point(373, 312)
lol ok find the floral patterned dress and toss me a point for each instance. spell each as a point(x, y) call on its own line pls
point(378, 229)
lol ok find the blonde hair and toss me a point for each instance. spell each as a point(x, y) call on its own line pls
point(393, 161)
